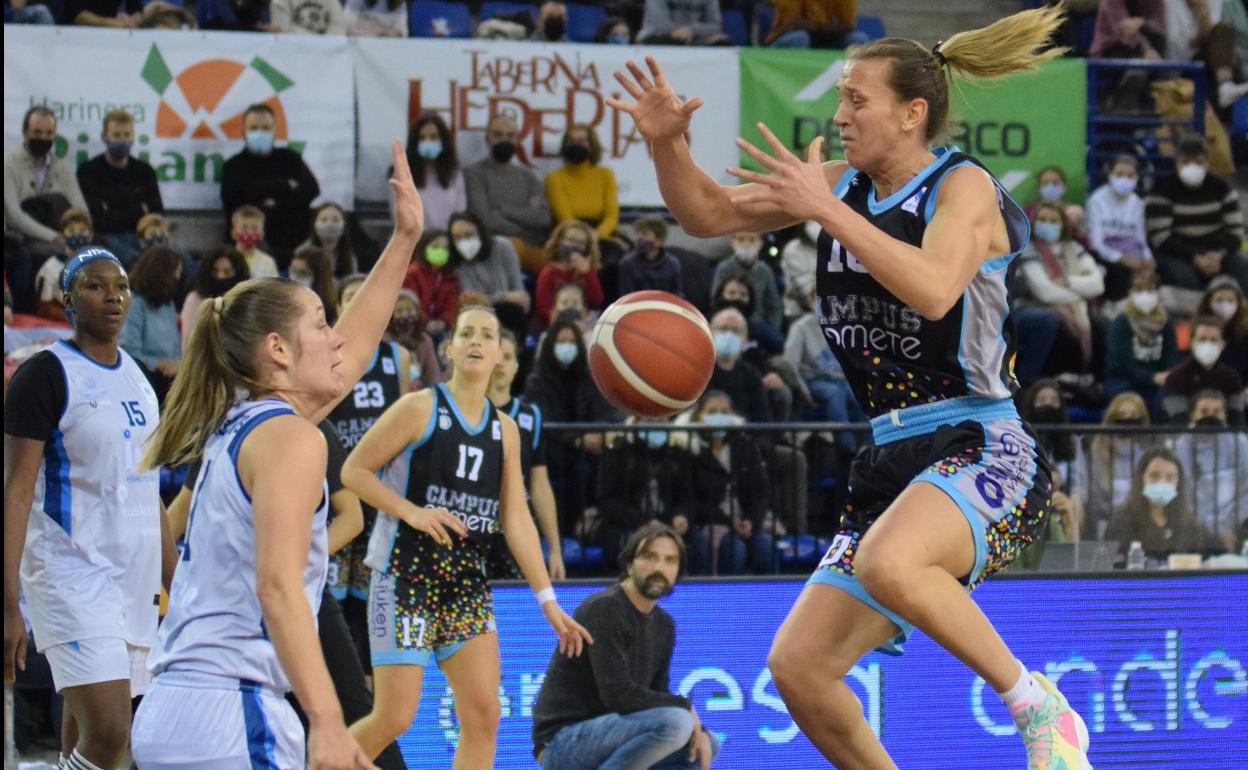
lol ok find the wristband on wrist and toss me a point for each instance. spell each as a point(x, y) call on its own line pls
point(545, 595)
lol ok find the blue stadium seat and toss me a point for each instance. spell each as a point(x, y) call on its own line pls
point(806, 550)
point(583, 21)
point(593, 556)
point(572, 554)
point(495, 7)
point(1239, 117)
point(735, 28)
point(764, 15)
point(871, 26)
point(422, 14)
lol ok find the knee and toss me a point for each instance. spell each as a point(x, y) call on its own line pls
point(795, 665)
point(882, 576)
point(479, 715)
point(107, 734)
point(673, 726)
point(394, 719)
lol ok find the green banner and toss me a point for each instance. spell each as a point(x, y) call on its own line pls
point(1015, 126)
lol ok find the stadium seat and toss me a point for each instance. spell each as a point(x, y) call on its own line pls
point(499, 7)
point(806, 550)
point(871, 26)
point(764, 15)
point(593, 556)
point(572, 554)
point(583, 21)
point(735, 28)
point(423, 15)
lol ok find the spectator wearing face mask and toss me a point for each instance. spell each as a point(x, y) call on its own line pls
point(1194, 223)
point(649, 265)
point(1052, 188)
point(571, 254)
point(1203, 372)
point(119, 189)
point(488, 265)
point(432, 277)
point(247, 232)
point(1041, 406)
point(1223, 299)
point(739, 379)
point(614, 30)
point(76, 234)
point(310, 268)
point(1140, 348)
point(508, 197)
point(219, 271)
point(435, 169)
point(745, 263)
point(682, 22)
point(1103, 478)
point(1218, 460)
point(1115, 222)
point(552, 23)
point(797, 265)
point(330, 235)
point(407, 328)
point(737, 292)
point(1157, 512)
point(151, 330)
point(273, 179)
point(583, 189)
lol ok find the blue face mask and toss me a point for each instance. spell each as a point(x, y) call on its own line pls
point(566, 352)
point(259, 142)
point(119, 149)
point(618, 40)
point(429, 149)
point(720, 419)
point(1049, 232)
point(727, 345)
point(1160, 492)
point(1052, 191)
point(655, 439)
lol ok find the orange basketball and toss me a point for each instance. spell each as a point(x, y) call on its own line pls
point(651, 354)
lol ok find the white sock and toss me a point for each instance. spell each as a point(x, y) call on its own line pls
point(1025, 691)
point(61, 762)
point(77, 762)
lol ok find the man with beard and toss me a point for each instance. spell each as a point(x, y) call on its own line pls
point(611, 707)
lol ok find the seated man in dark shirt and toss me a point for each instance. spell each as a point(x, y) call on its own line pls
point(611, 707)
point(119, 188)
point(1203, 371)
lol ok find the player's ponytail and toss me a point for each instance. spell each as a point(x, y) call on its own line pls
point(1016, 43)
point(219, 362)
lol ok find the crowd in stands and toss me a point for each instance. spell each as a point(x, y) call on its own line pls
point(1129, 311)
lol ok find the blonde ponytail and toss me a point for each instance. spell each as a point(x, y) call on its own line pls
point(219, 360)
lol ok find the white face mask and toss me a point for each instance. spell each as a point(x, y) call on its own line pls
point(1122, 185)
point(1192, 174)
point(1145, 300)
point(1224, 308)
point(746, 254)
point(469, 248)
point(1206, 352)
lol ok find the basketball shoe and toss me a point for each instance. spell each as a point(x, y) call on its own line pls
point(1055, 736)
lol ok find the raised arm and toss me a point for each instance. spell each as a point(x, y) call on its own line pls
point(703, 207)
point(363, 323)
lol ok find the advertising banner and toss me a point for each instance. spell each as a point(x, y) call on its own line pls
point(187, 92)
point(1015, 126)
point(1154, 664)
point(545, 88)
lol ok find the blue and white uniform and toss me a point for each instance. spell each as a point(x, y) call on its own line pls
point(218, 699)
point(937, 391)
point(90, 570)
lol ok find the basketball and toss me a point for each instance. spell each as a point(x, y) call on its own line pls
point(651, 354)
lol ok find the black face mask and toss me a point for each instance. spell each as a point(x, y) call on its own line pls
point(576, 153)
point(553, 28)
point(1048, 415)
point(1210, 422)
point(39, 147)
point(217, 287)
point(503, 151)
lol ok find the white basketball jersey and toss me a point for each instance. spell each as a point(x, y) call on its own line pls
point(214, 624)
point(91, 567)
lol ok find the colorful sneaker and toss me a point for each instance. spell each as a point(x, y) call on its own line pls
point(1055, 736)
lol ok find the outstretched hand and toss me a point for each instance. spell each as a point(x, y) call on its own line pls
point(658, 112)
point(572, 635)
point(797, 187)
point(409, 212)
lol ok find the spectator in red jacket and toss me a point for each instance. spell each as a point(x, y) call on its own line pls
point(573, 257)
point(432, 277)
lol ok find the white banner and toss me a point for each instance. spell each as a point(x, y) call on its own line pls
point(187, 92)
point(546, 88)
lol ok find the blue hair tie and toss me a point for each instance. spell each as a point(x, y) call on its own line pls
point(82, 259)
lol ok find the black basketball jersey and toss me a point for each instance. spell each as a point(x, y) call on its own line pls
point(455, 466)
point(377, 389)
point(893, 357)
point(528, 417)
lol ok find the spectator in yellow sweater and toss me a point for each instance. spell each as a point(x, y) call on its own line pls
point(583, 190)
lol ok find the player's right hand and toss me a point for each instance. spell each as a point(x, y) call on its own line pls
point(658, 112)
point(435, 522)
point(14, 643)
point(333, 748)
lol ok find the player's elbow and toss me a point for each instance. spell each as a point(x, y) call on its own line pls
point(936, 307)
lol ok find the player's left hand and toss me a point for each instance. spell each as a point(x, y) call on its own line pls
point(572, 635)
point(409, 212)
point(796, 186)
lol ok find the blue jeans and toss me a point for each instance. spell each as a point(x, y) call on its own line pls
point(1035, 330)
point(654, 739)
point(836, 403)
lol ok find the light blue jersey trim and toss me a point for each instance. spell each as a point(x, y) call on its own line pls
point(110, 367)
point(537, 424)
point(429, 426)
point(463, 422)
point(878, 207)
point(923, 419)
point(850, 585)
point(373, 361)
point(842, 184)
point(260, 738)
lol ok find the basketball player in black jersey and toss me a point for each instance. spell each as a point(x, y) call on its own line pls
point(913, 252)
point(528, 417)
point(444, 448)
